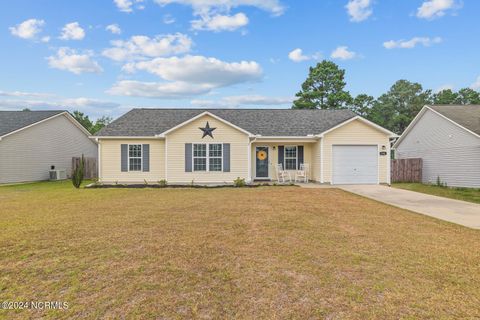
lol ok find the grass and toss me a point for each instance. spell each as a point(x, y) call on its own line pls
point(265, 253)
point(465, 194)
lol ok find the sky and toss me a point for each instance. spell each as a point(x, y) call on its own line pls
point(105, 57)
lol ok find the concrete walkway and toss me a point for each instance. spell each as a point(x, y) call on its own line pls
point(460, 212)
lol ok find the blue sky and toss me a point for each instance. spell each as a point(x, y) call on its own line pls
point(104, 57)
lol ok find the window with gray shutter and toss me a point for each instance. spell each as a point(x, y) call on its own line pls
point(188, 157)
point(146, 157)
point(124, 158)
point(226, 157)
point(300, 156)
point(280, 155)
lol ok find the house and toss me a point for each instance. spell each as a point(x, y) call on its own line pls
point(33, 141)
point(219, 145)
point(447, 138)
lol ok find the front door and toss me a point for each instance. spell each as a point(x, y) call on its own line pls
point(261, 156)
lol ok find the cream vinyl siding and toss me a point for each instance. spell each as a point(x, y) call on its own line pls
point(28, 154)
point(316, 166)
point(356, 133)
point(190, 133)
point(273, 157)
point(110, 158)
point(448, 151)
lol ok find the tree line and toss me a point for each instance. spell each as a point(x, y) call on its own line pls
point(324, 88)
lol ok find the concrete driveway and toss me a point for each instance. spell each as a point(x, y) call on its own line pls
point(460, 212)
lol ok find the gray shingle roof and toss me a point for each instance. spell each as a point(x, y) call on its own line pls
point(266, 122)
point(14, 120)
point(466, 116)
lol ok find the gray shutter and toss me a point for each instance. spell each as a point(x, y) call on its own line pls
point(124, 157)
point(280, 156)
point(300, 156)
point(146, 157)
point(188, 157)
point(226, 157)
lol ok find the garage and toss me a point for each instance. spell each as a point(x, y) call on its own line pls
point(355, 164)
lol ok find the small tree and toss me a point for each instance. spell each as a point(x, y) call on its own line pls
point(78, 172)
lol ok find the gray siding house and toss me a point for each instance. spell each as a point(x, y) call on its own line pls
point(447, 138)
point(33, 141)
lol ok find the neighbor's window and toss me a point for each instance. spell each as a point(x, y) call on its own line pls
point(290, 157)
point(215, 157)
point(199, 157)
point(135, 157)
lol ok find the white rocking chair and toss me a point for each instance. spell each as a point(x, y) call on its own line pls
point(282, 175)
point(302, 173)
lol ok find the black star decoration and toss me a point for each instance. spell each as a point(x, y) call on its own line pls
point(207, 131)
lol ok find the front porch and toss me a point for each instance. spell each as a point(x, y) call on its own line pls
point(290, 154)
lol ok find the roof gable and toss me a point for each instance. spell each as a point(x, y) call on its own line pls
point(264, 122)
point(465, 117)
point(11, 121)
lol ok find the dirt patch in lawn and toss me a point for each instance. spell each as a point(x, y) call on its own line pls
point(231, 253)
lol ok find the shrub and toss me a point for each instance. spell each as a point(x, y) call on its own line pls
point(163, 183)
point(77, 174)
point(239, 182)
point(440, 183)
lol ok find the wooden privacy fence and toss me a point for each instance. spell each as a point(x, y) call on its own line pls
point(90, 171)
point(406, 170)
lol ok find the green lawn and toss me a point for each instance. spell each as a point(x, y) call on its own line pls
point(465, 194)
point(252, 253)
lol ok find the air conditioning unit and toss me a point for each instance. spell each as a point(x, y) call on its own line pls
point(59, 174)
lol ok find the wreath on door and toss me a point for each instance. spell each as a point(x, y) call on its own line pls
point(261, 155)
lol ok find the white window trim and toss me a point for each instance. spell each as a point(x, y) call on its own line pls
point(207, 169)
point(141, 157)
point(285, 157)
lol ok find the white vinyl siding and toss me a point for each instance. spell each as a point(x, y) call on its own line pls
point(190, 133)
point(448, 151)
point(28, 154)
point(110, 157)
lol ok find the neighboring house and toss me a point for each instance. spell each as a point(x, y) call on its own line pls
point(447, 138)
point(33, 141)
point(219, 145)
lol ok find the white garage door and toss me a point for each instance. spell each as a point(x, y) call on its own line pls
point(355, 165)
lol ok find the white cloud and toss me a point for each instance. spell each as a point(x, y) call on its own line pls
point(220, 22)
point(138, 47)
point(72, 31)
point(243, 100)
point(359, 10)
point(114, 28)
point(126, 5)
point(199, 70)
point(214, 15)
point(69, 60)
point(24, 94)
point(28, 29)
point(45, 39)
point(186, 76)
point(168, 19)
point(207, 6)
point(171, 90)
point(476, 84)
point(342, 53)
point(412, 43)
point(431, 9)
point(297, 55)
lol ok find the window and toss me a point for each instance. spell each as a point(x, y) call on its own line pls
point(215, 157)
point(135, 157)
point(290, 157)
point(199, 157)
point(207, 157)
